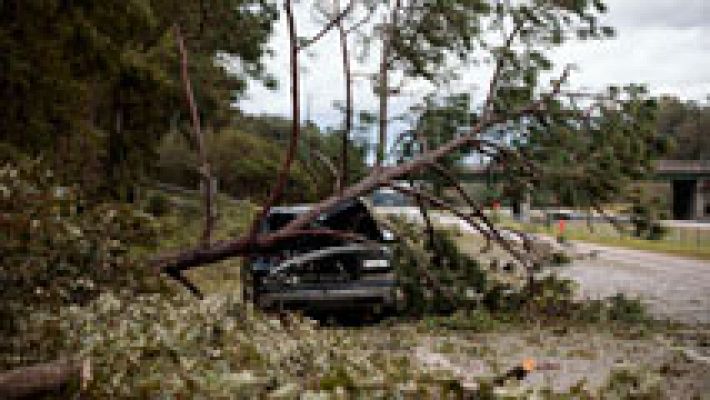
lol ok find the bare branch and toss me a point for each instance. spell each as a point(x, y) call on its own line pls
point(500, 63)
point(364, 20)
point(477, 208)
point(178, 276)
point(383, 84)
point(327, 28)
point(330, 166)
point(383, 94)
point(466, 218)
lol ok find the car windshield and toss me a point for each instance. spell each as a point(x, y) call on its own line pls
point(352, 216)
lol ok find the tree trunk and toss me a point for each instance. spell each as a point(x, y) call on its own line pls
point(384, 98)
point(51, 377)
point(348, 107)
point(282, 179)
point(207, 185)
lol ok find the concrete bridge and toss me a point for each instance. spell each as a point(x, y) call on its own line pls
point(689, 184)
point(690, 181)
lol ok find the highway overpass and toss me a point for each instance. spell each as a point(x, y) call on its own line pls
point(689, 181)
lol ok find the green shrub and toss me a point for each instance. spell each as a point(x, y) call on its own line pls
point(461, 284)
point(56, 248)
point(158, 204)
point(245, 165)
point(626, 383)
point(645, 216)
point(657, 231)
point(438, 280)
point(560, 258)
point(623, 309)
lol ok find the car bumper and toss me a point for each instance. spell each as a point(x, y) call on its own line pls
point(332, 296)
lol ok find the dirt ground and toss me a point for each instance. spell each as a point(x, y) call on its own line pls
point(673, 288)
point(589, 356)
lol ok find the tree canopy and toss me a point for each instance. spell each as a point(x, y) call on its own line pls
point(95, 85)
point(687, 124)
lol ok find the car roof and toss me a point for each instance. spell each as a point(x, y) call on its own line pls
point(302, 208)
point(294, 209)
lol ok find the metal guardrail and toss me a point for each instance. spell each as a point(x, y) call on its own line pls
point(683, 166)
point(699, 168)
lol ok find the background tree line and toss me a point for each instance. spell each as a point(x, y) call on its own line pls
point(687, 123)
point(94, 89)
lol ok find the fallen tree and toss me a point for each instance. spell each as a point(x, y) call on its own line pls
point(558, 145)
point(514, 103)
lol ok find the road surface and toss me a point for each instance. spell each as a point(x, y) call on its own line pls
point(673, 287)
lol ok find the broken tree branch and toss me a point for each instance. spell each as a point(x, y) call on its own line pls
point(498, 70)
point(466, 218)
point(474, 205)
point(178, 276)
point(222, 250)
point(378, 177)
point(42, 379)
point(325, 160)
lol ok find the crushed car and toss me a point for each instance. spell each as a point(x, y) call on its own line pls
point(327, 273)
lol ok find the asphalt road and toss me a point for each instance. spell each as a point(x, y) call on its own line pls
point(673, 287)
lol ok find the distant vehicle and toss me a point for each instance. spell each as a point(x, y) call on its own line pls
point(325, 273)
point(387, 197)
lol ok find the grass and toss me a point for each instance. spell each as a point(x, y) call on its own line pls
point(660, 246)
point(183, 223)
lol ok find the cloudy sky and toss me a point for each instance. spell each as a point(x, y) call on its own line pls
point(662, 43)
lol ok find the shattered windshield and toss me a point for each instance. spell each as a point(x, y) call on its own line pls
point(349, 217)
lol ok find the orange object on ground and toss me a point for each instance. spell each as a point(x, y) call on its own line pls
point(562, 224)
point(528, 364)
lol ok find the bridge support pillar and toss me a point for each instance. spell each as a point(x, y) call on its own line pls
point(701, 202)
point(691, 199)
point(521, 208)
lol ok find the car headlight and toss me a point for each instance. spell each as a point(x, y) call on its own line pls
point(375, 264)
point(387, 235)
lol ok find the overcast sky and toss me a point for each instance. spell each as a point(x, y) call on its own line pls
point(662, 43)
